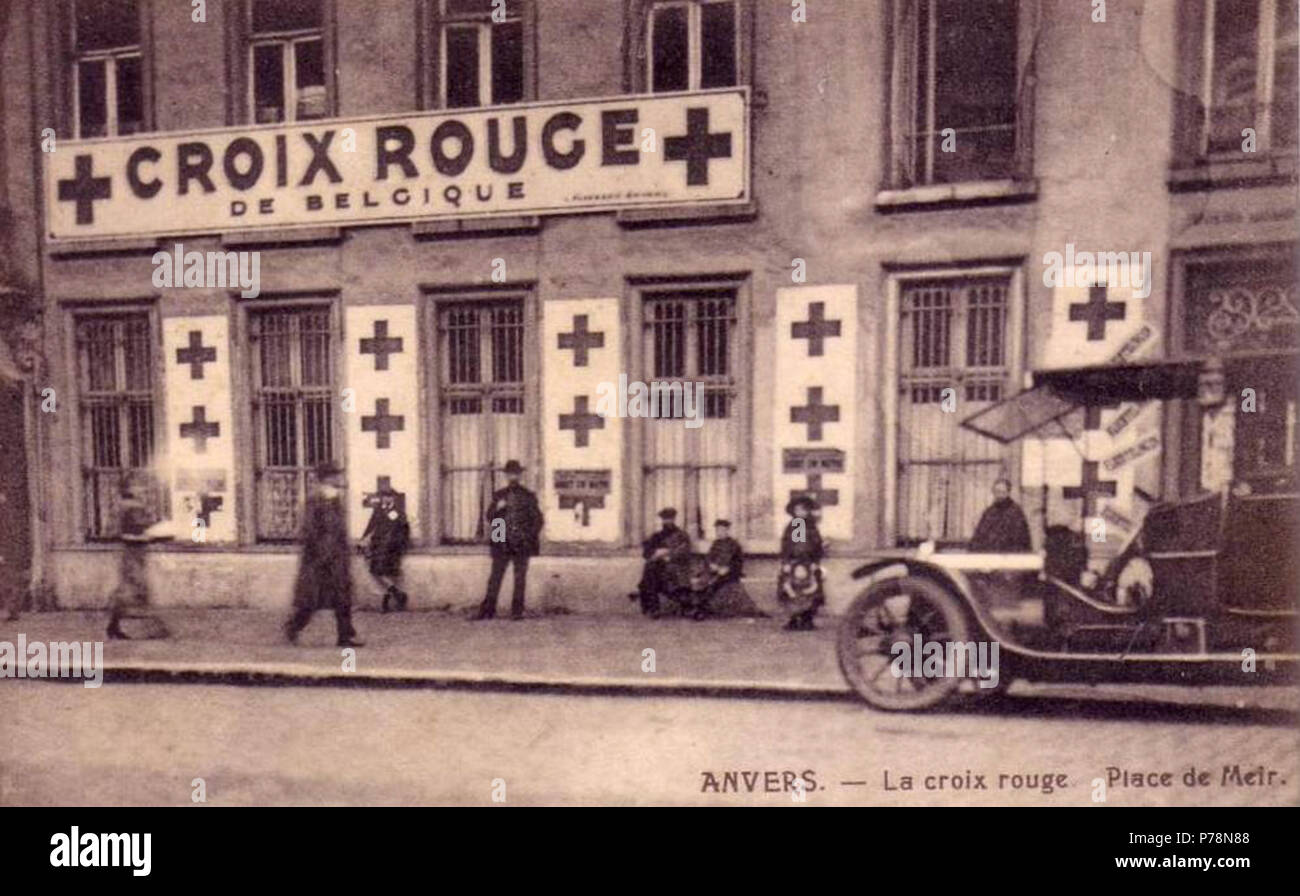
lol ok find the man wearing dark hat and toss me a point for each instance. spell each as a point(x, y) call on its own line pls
point(325, 568)
point(726, 559)
point(514, 531)
point(667, 546)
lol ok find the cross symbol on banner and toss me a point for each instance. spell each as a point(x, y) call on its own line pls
point(697, 147)
point(381, 345)
point(200, 429)
point(1097, 311)
point(84, 189)
point(585, 502)
point(196, 354)
point(382, 423)
point(1092, 415)
point(826, 497)
point(581, 421)
point(207, 504)
point(815, 413)
point(1090, 488)
point(815, 329)
point(581, 339)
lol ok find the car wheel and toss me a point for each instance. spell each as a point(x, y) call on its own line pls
point(885, 614)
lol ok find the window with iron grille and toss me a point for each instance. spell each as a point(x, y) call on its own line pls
point(294, 421)
point(690, 340)
point(482, 52)
point(108, 68)
point(956, 67)
point(953, 335)
point(691, 45)
point(286, 59)
point(1250, 79)
point(481, 411)
point(116, 393)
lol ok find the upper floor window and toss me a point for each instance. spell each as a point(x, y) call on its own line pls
point(956, 92)
point(482, 52)
point(286, 59)
point(1250, 54)
point(108, 80)
point(692, 45)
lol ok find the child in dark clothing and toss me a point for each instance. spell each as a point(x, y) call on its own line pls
point(387, 536)
point(799, 585)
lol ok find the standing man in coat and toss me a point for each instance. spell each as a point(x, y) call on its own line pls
point(514, 535)
point(325, 569)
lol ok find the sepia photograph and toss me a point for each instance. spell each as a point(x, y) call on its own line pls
point(627, 403)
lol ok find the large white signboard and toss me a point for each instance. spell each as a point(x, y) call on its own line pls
point(539, 158)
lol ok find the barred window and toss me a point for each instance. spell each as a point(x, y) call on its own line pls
point(482, 418)
point(690, 342)
point(286, 60)
point(953, 335)
point(108, 68)
point(1251, 77)
point(956, 68)
point(482, 52)
point(692, 45)
point(293, 412)
point(117, 396)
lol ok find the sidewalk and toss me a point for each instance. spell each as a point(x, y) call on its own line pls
point(443, 648)
point(571, 653)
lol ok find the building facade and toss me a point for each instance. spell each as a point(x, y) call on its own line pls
point(829, 223)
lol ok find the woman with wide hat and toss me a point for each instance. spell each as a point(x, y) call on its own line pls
point(799, 582)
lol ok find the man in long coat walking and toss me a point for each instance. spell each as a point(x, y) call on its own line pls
point(325, 568)
point(514, 530)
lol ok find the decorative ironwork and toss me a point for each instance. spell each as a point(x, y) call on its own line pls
point(1239, 310)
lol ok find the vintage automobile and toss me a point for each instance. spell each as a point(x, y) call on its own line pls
point(1205, 592)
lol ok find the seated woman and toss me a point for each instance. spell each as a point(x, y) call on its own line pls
point(726, 559)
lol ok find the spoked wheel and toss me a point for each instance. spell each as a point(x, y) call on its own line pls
point(885, 614)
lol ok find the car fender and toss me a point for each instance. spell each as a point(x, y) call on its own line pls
point(954, 581)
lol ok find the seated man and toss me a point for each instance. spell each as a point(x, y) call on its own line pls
point(726, 559)
point(669, 546)
point(1002, 528)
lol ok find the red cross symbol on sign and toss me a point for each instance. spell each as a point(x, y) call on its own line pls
point(84, 189)
point(697, 147)
point(1097, 311)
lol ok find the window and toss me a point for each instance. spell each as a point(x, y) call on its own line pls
point(690, 340)
point(952, 335)
point(1251, 73)
point(293, 411)
point(691, 45)
point(955, 68)
point(108, 68)
point(116, 390)
point(1242, 307)
point(482, 52)
point(286, 60)
point(481, 409)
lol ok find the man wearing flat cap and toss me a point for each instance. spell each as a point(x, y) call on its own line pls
point(514, 531)
point(666, 547)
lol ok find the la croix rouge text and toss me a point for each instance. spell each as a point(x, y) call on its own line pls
point(1047, 782)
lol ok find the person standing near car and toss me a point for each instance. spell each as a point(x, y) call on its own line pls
point(1002, 528)
point(514, 536)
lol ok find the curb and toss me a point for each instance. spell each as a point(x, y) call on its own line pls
point(303, 675)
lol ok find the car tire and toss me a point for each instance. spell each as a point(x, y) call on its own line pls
point(891, 611)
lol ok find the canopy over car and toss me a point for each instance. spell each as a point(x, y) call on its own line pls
point(1056, 393)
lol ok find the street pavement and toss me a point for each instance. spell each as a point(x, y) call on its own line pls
point(146, 744)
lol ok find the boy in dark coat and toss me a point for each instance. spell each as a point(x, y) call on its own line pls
point(801, 542)
point(514, 535)
point(386, 538)
point(325, 570)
